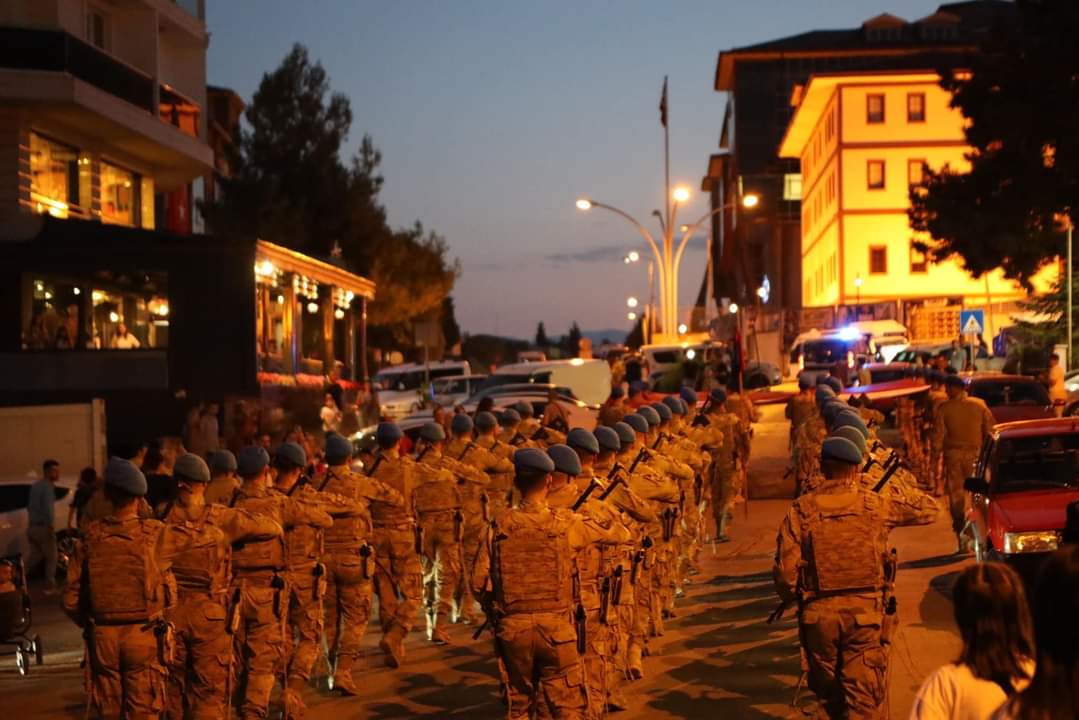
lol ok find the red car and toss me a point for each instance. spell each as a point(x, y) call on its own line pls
point(1026, 477)
point(1011, 397)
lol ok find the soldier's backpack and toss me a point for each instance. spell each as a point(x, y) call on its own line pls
point(435, 495)
point(123, 580)
point(205, 564)
point(532, 563)
point(262, 554)
point(841, 543)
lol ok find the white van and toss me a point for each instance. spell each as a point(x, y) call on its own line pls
point(590, 380)
point(403, 389)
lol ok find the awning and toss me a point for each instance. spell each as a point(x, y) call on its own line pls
point(286, 260)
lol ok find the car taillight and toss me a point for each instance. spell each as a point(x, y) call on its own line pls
point(850, 359)
point(801, 362)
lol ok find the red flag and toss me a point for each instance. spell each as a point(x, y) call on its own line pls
point(663, 104)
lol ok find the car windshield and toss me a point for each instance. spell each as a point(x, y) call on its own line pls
point(831, 351)
point(1041, 461)
point(492, 381)
point(400, 380)
point(1011, 392)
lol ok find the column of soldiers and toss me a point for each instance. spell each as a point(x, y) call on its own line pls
point(850, 488)
point(571, 547)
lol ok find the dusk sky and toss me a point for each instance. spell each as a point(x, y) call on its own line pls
point(492, 117)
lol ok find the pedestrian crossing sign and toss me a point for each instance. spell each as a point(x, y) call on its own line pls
point(972, 322)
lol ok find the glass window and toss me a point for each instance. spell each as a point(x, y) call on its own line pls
point(119, 195)
point(55, 172)
point(146, 202)
point(878, 260)
point(919, 263)
point(874, 173)
point(792, 186)
point(915, 107)
point(97, 29)
point(874, 108)
point(915, 171)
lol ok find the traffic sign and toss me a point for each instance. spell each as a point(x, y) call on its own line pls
point(972, 322)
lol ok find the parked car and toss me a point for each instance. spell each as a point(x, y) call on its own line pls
point(401, 388)
point(590, 380)
point(887, 372)
point(1026, 477)
point(1011, 397)
point(363, 440)
point(580, 413)
point(455, 389)
point(761, 373)
point(14, 520)
point(839, 350)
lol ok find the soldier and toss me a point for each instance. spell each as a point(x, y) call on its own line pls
point(510, 422)
point(529, 424)
point(830, 559)
point(119, 583)
point(725, 461)
point(614, 409)
point(500, 487)
point(525, 575)
point(930, 407)
point(260, 587)
point(800, 407)
point(399, 575)
point(437, 499)
point(200, 670)
point(223, 481)
point(349, 559)
point(806, 454)
point(962, 425)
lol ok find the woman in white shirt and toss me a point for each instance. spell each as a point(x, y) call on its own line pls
point(998, 646)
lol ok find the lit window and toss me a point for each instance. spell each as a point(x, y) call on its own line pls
point(878, 260)
point(915, 171)
point(792, 186)
point(54, 176)
point(919, 263)
point(874, 108)
point(915, 107)
point(874, 173)
point(97, 29)
point(119, 195)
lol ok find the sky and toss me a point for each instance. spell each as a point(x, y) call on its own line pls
point(493, 116)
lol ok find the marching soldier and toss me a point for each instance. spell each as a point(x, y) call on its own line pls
point(223, 480)
point(725, 460)
point(512, 429)
point(930, 407)
point(800, 407)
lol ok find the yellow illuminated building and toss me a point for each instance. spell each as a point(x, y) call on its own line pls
point(863, 139)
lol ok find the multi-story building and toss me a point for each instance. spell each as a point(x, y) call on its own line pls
point(862, 140)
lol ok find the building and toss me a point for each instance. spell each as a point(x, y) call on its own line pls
point(765, 241)
point(109, 287)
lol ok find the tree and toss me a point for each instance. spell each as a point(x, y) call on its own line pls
point(635, 338)
point(571, 342)
point(542, 340)
point(451, 331)
point(1021, 103)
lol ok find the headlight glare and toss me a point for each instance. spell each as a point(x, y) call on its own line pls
point(1031, 542)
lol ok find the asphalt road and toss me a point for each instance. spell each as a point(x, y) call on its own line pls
point(718, 658)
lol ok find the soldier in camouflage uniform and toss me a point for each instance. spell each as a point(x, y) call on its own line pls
point(501, 484)
point(800, 407)
point(512, 430)
point(349, 558)
point(200, 670)
point(725, 460)
point(223, 480)
point(806, 455)
point(825, 564)
point(930, 407)
point(119, 581)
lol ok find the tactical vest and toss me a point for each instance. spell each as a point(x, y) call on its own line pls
point(393, 473)
point(205, 564)
point(434, 493)
point(125, 583)
point(532, 563)
point(303, 546)
point(841, 545)
point(346, 533)
point(260, 554)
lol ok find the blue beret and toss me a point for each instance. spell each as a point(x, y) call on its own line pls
point(607, 438)
point(674, 405)
point(664, 412)
point(833, 382)
point(950, 371)
point(822, 380)
point(252, 460)
point(617, 392)
point(718, 395)
point(461, 424)
point(485, 421)
point(524, 409)
point(635, 388)
point(565, 459)
point(509, 417)
point(531, 459)
point(581, 439)
point(823, 392)
point(190, 466)
point(292, 453)
point(123, 475)
point(953, 381)
point(222, 461)
point(649, 414)
point(841, 449)
point(934, 376)
point(338, 449)
point(637, 422)
point(432, 432)
point(626, 435)
point(852, 434)
point(688, 395)
point(830, 409)
point(388, 432)
point(850, 419)
point(804, 381)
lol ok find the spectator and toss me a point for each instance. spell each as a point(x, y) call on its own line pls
point(209, 430)
point(991, 611)
point(157, 467)
point(1058, 393)
point(41, 512)
point(864, 377)
point(63, 340)
point(38, 335)
point(83, 493)
point(1053, 693)
point(487, 404)
point(554, 415)
point(124, 340)
point(330, 414)
point(614, 409)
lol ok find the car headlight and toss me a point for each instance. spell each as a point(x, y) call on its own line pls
point(1031, 542)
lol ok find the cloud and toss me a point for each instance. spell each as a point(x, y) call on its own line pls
point(612, 253)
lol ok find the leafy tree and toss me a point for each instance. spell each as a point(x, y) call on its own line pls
point(1021, 103)
point(542, 340)
point(571, 342)
point(451, 331)
point(635, 338)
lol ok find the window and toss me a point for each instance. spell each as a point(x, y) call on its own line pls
point(915, 171)
point(919, 263)
point(874, 109)
point(55, 173)
point(915, 107)
point(874, 174)
point(878, 260)
point(97, 29)
point(792, 186)
point(120, 202)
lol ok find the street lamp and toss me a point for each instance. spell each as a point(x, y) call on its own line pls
point(631, 302)
point(584, 204)
point(733, 308)
point(632, 257)
point(858, 289)
point(751, 200)
point(631, 315)
point(680, 194)
point(683, 329)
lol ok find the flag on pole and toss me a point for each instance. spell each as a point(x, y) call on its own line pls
point(663, 104)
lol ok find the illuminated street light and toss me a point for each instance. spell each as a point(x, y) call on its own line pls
point(312, 307)
point(858, 289)
point(751, 200)
point(584, 204)
point(733, 307)
point(114, 317)
point(631, 302)
point(690, 354)
point(633, 256)
point(680, 194)
point(339, 314)
point(631, 315)
point(682, 329)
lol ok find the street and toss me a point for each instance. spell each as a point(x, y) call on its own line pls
point(717, 658)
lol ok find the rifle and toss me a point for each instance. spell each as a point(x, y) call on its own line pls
point(374, 466)
point(636, 461)
point(659, 440)
point(484, 500)
point(610, 488)
point(638, 558)
point(584, 496)
point(604, 599)
point(423, 452)
point(887, 476)
point(698, 488)
point(517, 439)
point(471, 444)
point(365, 557)
point(580, 620)
point(302, 480)
point(616, 586)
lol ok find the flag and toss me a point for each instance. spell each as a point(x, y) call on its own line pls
point(663, 104)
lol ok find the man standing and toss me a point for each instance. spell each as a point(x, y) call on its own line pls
point(614, 409)
point(41, 510)
point(800, 407)
point(962, 424)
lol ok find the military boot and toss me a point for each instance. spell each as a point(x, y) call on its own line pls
point(293, 707)
point(634, 662)
point(342, 677)
point(392, 646)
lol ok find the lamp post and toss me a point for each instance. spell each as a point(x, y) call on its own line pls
point(857, 290)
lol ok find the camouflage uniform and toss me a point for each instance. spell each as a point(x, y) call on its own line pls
point(221, 489)
point(725, 466)
point(825, 564)
point(668, 544)
point(799, 409)
point(200, 670)
point(807, 451)
point(962, 424)
point(500, 487)
point(438, 510)
point(118, 583)
point(348, 572)
point(935, 462)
